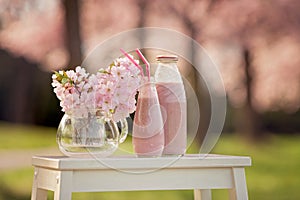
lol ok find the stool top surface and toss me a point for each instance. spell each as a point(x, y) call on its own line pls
point(132, 162)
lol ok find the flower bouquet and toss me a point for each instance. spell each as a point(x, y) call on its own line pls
point(94, 104)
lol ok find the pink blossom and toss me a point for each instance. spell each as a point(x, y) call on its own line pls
point(111, 90)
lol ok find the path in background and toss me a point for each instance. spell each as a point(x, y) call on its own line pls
point(14, 159)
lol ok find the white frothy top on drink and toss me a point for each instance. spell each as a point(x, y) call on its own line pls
point(167, 73)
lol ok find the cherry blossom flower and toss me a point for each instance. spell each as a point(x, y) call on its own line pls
point(111, 91)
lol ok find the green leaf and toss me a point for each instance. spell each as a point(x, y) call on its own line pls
point(65, 80)
point(103, 71)
point(111, 65)
point(58, 76)
point(65, 74)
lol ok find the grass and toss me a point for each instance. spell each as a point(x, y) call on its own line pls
point(14, 137)
point(274, 174)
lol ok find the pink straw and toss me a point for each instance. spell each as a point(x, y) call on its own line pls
point(133, 61)
point(145, 61)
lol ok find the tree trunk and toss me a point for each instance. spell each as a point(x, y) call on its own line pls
point(202, 95)
point(246, 119)
point(72, 32)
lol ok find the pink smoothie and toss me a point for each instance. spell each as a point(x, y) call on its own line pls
point(148, 132)
point(173, 102)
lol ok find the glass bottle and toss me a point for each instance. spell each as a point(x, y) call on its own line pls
point(173, 103)
point(148, 132)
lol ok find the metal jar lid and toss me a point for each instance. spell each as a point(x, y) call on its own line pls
point(167, 58)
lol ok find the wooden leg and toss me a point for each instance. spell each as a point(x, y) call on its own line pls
point(239, 192)
point(63, 190)
point(202, 194)
point(37, 193)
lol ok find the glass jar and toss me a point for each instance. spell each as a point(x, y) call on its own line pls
point(91, 135)
point(148, 132)
point(171, 94)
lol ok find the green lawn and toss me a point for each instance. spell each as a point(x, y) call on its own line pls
point(13, 137)
point(274, 174)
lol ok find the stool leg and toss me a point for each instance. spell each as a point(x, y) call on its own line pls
point(63, 189)
point(202, 194)
point(37, 193)
point(239, 192)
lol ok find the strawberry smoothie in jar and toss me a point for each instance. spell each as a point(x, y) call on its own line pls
point(148, 131)
point(173, 103)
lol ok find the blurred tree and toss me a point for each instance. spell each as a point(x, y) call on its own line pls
point(247, 31)
point(142, 10)
point(263, 36)
point(246, 119)
point(25, 91)
point(191, 14)
point(73, 39)
point(258, 30)
point(142, 6)
point(19, 88)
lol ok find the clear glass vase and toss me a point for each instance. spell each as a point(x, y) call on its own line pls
point(92, 135)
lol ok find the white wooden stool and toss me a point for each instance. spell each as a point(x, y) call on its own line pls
point(200, 173)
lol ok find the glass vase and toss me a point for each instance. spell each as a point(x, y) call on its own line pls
point(91, 135)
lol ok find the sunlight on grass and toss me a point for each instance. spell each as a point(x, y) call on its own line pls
point(144, 195)
point(16, 184)
point(15, 137)
point(274, 173)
